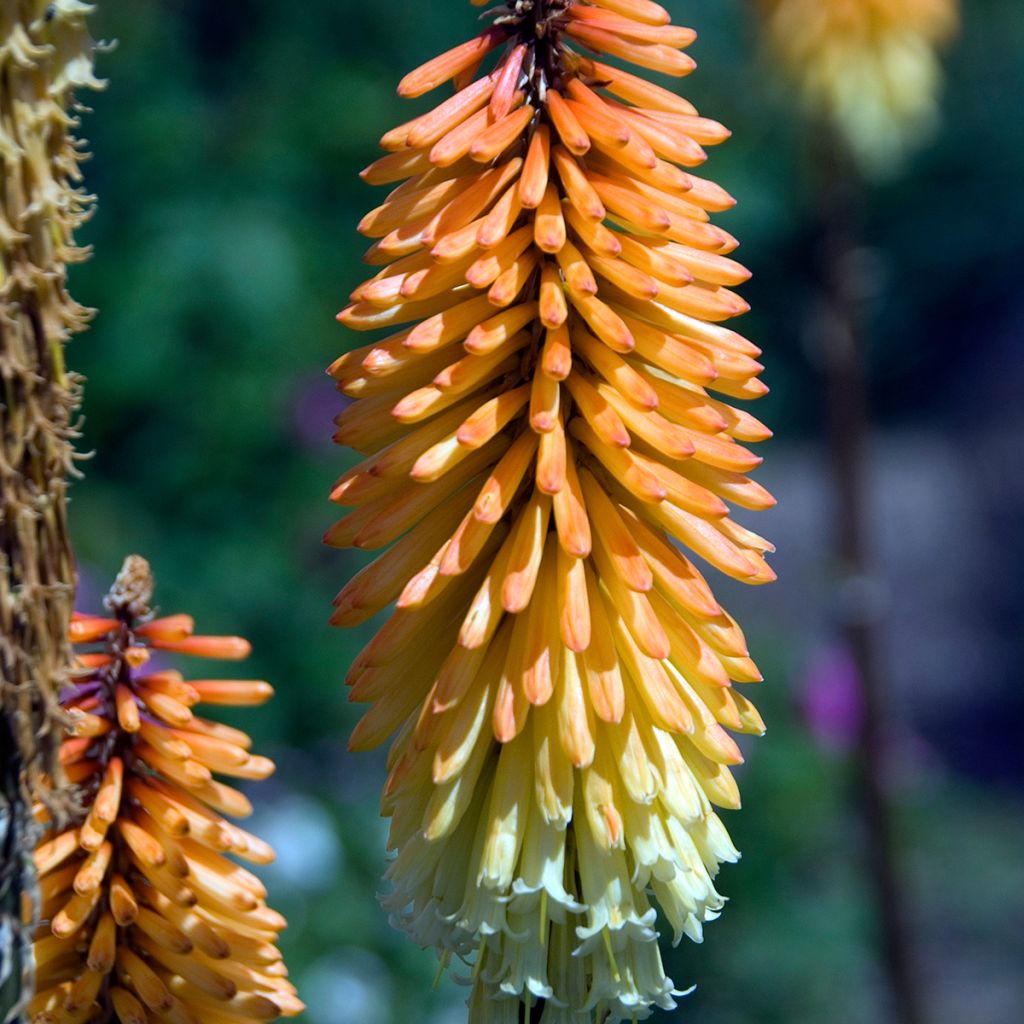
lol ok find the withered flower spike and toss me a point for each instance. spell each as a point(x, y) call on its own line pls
point(146, 911)
point(538, 433)
point(44, 60)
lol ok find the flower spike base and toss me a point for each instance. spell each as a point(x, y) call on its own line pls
point(547, 413)
point(145, 915)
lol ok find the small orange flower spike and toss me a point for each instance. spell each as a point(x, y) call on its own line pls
point(145, 916)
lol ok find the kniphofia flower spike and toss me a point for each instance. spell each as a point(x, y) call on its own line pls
point(146, 915)
point(551, 413)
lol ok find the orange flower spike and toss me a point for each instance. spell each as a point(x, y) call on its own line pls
point(455, 144)
point(94, 661)
point(510, 283)
point(243, 693)
point(492, 264)
point(596, 118)
point(657, 57)
point(642, 94)
point(632, 27)
point(551, 420)
point(544, 403)
point(108, 796)
point(152, 840)
point(498, 223)
point(598, 424)
point(556, 358)
point(553, 309)
point(396, 166)
point(572, 522)
point(579, 278)
point(593, 234)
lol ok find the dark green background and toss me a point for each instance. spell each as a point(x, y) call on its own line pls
point(226, 152)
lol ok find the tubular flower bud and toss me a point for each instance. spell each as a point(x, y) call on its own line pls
point(147, 911)
point(546, 416)
point(870, 66)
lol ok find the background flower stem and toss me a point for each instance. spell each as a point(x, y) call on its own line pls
point(844, 336)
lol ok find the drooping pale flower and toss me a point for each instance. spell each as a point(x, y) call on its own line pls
point(145, 914)
point(870, 66)
point(554, 415)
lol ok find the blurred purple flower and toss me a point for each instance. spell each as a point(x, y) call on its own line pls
point(315, 404)
point(92, 585)
point(829, 698)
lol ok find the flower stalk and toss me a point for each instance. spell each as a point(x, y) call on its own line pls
point(549, 415)
point(839, 326)
point(870, 72)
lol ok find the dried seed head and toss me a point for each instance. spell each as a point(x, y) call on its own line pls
point(132, 590)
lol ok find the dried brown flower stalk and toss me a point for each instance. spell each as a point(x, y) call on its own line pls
point(45, 55)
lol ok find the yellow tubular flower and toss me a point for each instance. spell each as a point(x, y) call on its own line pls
point(870, 66)
point(145, 916)
point(540, 430)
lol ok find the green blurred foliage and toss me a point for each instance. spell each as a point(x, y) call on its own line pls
point(226, 153)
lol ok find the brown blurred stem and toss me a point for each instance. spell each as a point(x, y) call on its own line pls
point(843, 336)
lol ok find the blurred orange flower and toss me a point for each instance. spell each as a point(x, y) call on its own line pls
point(556, 672)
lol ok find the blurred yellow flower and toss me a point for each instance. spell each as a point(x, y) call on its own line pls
point(556, 672)
point(871, 66)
